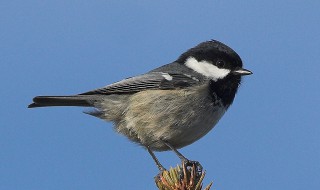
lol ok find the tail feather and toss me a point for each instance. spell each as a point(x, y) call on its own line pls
point(77, 100)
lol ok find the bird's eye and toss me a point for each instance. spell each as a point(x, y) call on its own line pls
point(220, 63)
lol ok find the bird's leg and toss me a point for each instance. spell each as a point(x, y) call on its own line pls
point(161, 168)
point(183, 159)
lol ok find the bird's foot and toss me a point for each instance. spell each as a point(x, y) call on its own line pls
point(194, 165)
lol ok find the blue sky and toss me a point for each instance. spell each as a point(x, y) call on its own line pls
point(268, 139)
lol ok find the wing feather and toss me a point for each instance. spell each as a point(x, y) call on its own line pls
point(152, 80)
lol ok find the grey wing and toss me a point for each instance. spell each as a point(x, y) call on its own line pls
point(152, 80)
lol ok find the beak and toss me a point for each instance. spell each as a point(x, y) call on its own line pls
point(241, 72)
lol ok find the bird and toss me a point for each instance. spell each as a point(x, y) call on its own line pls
point(171, 106)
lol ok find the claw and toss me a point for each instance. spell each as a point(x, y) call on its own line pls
point(190, 164)
point(193, 163)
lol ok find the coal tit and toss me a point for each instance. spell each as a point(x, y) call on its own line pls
point(169, 107)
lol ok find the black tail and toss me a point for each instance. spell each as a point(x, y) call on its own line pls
point(77, 100)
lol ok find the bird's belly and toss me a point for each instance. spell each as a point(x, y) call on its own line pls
point(179, 117)
point(182, 135)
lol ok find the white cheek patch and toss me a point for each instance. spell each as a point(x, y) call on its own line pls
point(167, 76)
point(207, 69)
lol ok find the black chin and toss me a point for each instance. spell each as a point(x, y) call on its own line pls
point(226, 88)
